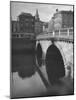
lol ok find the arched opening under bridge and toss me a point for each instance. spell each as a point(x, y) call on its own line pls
point(54, 64)
point(39, 55)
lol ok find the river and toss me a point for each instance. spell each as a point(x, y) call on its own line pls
point(25, 78)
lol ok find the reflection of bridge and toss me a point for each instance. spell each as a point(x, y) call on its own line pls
point(55, 53)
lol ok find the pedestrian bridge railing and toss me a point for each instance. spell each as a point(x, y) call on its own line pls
point(66, 33)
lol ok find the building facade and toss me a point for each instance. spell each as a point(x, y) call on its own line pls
point(15, 26)
point(61, 19)
point(26, 22)
point(67, 19)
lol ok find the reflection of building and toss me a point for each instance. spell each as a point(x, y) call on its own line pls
point(26, 22)
point(61, 19)
point(38, 24)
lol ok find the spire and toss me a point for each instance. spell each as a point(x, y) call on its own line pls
point(37, 15)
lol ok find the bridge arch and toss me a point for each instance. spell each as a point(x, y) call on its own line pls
point(39, 54)
point(44, 44)
point(54, 64)
point(61, 51)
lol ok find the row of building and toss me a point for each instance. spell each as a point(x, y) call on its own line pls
point(26, 23)
point(61, 19)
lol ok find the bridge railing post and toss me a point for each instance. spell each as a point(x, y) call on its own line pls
point(59, 33)
point(53, 33)
point(68, 32)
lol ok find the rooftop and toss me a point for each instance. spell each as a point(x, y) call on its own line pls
point(25, 14)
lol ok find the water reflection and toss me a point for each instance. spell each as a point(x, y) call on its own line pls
point(26, 80)
point(23, 57)
point(24, 63)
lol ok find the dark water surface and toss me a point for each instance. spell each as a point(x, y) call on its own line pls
point(23, 57)
point(26, 79)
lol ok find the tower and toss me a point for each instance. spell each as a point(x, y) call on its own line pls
point(37, 15)
point(38, 24)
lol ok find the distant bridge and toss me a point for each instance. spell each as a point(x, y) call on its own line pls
point(23, 35)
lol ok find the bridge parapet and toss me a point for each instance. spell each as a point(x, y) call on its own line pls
point(66, 34)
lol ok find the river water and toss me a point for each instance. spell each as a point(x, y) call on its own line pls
point(25, 79)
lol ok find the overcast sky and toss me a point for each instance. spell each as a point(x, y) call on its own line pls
point(45, 11)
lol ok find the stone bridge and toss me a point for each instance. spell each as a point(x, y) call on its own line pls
point(55, 54)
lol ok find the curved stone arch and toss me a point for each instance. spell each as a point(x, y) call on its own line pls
point(61, 51)
point(44, 45)
point(63, 55)
point(38, 44)
point(53, 61)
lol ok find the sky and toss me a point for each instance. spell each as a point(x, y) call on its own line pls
point(45, 11)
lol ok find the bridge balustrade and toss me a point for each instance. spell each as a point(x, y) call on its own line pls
point(63, 33)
